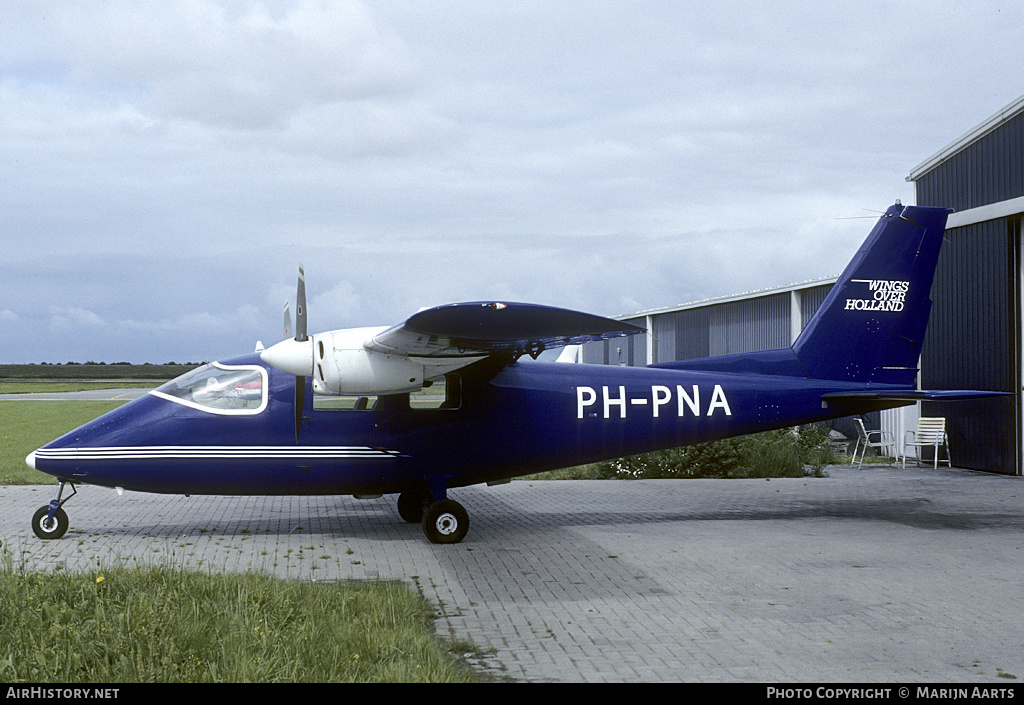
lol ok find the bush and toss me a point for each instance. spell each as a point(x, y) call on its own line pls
point(781, 453)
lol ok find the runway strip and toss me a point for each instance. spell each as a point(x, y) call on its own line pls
point(87, 395)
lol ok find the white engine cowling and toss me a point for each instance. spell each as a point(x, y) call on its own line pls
point(341, 365)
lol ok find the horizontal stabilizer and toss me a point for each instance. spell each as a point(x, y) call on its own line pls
point(903, 397)
point(487, 328)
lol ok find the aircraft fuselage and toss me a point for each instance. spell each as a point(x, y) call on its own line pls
point(528, 418)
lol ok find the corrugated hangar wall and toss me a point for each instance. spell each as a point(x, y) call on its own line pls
point(985, 166)
point(970, 344)
point(746, 323)
point(759, 323)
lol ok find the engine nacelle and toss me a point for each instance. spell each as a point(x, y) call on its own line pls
point(341, 365)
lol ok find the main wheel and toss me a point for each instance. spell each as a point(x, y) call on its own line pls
point(52, 529)
point(445, 521)
point(412, 504)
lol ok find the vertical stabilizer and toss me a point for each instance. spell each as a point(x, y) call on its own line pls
point(870, 326)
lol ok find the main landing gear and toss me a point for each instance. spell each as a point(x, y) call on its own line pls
point(51, 521)
point(443, 520)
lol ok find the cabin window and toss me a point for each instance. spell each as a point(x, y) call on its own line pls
point(344, 402)
point(219, 389)
point(444, 393)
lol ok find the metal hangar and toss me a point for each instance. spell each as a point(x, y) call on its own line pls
point(974, 335)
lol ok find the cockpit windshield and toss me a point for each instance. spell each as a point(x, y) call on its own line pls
point(219, 389)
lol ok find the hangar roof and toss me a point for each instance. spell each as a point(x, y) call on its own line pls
point(732, 297)
point(972, 135)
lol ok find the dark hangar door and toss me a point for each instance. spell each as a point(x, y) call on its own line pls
point(973, 342)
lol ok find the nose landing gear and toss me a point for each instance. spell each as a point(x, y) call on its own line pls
point(51, 521)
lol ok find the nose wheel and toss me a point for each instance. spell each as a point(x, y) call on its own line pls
point(47, 527)
point(51, 521)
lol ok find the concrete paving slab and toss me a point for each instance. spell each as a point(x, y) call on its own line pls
point(874, 574)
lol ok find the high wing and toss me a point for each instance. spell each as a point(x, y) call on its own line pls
point(490, 328)
point(432, 343)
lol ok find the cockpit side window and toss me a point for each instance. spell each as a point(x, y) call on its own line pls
point(219, 389)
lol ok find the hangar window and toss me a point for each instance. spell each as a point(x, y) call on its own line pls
point(219, 389)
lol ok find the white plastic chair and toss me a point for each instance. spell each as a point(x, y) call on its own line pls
point(930, 433)
point(883, 442)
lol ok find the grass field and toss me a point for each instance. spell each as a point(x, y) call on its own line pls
point(27, 425)
point(36, 385)
point(53, 373)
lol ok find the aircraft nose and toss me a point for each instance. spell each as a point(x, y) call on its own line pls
point(30, 460)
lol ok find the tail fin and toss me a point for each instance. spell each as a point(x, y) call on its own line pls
point(870, 326)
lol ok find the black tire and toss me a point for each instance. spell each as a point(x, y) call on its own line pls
point(55, 529)
point(445, 521)
point(412, 504)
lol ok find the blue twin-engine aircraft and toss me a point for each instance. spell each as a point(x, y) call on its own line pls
point(249, 425)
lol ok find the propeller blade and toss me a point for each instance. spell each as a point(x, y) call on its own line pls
point(294, 355)
point(300, 336)
point(300, 402)
point(300, 307)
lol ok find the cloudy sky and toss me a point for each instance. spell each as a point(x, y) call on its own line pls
point(165, 167)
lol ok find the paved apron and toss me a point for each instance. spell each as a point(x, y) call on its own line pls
point(872, 574)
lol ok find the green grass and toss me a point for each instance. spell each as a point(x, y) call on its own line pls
point(92, 371)
point(165, 624)
point(27, 425)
